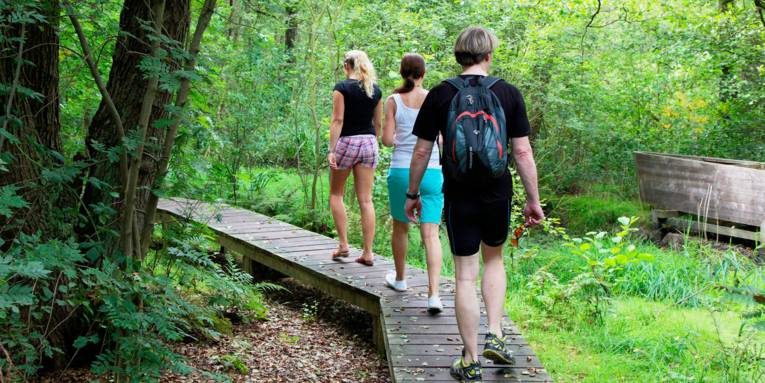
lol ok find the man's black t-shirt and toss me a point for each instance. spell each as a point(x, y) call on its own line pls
point(359, 108)
point(432, 120)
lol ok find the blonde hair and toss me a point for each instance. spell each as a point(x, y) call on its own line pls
point(474, 44)
point(363, 69)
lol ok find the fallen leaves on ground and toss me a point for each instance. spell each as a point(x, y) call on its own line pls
point(328, 342)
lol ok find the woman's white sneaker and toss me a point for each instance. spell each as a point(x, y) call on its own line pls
point(390, 280)
point(434, 304)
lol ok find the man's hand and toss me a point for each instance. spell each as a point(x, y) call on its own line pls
point(413, 209)
point(331, 160)
point(533, 214)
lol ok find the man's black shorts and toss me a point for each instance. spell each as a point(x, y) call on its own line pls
point(470, 222)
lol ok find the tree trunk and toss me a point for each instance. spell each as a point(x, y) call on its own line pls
point(33, 121)
point(234, 20)
point(180, 102)
point(127, 86)
point(290, 34)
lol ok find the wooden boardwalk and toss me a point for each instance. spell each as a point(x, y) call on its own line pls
point(418, 346)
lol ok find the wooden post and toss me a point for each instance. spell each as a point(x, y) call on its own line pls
point(761, 239)
point(378, 335)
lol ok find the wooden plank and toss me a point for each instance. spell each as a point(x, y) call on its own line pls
point(442, 339)
point(450, 349)
point(744, 163)
point(496, 374)
point(446, 360)
point(701, 227)
point(333, 287)
point(715, 190)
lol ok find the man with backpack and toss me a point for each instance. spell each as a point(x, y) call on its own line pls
point(478, 117)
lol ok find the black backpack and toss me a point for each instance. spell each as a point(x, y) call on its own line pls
point(475, 140)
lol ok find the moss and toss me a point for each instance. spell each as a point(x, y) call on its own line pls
point(234, 363)
point(223, 325)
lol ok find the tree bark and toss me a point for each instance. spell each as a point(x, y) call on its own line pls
point(180, 102)
point(726, 67)
point(33, 121)
point(127, 85)
point(291, 33)
point(127, 232)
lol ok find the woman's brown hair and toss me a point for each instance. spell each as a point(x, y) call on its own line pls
point(412, 68)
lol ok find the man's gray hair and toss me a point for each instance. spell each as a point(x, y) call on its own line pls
point(474, 44)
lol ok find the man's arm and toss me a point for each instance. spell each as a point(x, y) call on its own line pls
point(527, 169)
point(420, 158)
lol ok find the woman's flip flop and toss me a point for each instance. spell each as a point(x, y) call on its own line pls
point(365, 261)
point(340, 254)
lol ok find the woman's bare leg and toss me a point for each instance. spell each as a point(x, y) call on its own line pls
point(400, 245)
point(429, 233)
point(363, 178)
point(337, 180)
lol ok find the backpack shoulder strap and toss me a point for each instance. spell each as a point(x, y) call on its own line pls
point(456, 82)
point(490, 81)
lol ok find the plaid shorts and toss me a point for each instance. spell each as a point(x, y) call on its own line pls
point(353, 150)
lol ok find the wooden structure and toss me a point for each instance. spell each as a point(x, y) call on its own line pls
point(418, 346)
point(727, 197)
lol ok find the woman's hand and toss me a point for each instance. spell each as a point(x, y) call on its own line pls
point(331, 160)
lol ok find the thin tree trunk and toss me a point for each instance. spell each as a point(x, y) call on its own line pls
point(116, 119)
point(127, 86)
point(128, 208)
point(180, 102)
point(291, 33)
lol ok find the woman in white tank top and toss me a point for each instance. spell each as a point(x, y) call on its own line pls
point(401, 111)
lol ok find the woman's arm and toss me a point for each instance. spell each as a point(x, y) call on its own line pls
point(389, 128)
point(377, 118)
point(338, 110)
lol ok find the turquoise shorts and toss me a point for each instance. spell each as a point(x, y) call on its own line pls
point(430, 190)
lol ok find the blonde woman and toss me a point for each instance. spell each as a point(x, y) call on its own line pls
point(401, 111)
point(356, 124)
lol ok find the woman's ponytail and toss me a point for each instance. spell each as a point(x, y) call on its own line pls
point(412, 68)
point(363, 69)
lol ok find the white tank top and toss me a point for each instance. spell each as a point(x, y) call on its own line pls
point(405, 140)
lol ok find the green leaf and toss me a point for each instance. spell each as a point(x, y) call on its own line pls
point(9, 200)
point(82, 341)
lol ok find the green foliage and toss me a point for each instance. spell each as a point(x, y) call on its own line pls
point(592, 212)
point(607, 255)
point(606, 258)
point(134, 318)
point(234, 363)
point(310, 311)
